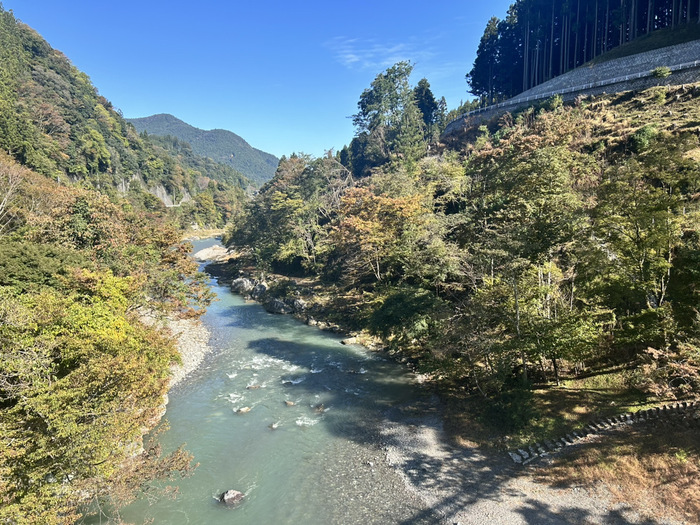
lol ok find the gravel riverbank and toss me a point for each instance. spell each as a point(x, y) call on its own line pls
point(467, 487)
point(191, 340)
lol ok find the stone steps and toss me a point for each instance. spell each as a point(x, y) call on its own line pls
point(685, 413)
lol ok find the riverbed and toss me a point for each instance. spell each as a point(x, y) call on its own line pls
point(288, 415)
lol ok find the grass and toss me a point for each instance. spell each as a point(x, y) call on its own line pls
point(525, 417)
point(654, 469)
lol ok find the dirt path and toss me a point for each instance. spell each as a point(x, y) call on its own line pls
point(466, 487)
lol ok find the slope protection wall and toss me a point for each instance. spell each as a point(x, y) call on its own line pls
point(620, 74)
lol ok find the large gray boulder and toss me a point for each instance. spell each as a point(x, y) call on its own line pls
point(242, 285)
point(258, 291)
point(275, 306)
point(298, 305)
point(231, 497)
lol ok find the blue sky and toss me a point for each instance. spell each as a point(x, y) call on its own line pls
point(283, 75)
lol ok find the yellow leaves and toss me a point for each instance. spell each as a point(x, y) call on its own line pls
point(372, 227)
point(75, 405)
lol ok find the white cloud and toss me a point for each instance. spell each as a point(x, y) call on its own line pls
point(371, 54)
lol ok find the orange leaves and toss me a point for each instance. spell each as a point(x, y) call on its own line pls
point(372, 227)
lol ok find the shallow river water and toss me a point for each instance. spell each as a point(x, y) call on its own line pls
point(307, 450)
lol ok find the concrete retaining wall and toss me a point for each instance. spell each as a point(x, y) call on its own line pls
point(613, 76)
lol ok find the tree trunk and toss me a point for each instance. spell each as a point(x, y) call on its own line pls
point(595, 30)
point(607, 25)
point(555, 364)
point(578, 33)
point(551, 44)
point(523, 355)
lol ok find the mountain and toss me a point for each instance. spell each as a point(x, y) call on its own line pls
point(54, 122)
point(218, 144)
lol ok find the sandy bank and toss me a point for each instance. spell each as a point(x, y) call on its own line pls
point(191, 339)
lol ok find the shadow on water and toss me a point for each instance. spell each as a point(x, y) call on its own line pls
point(451, 479)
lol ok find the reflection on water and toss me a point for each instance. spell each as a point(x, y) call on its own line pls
point(286, 414)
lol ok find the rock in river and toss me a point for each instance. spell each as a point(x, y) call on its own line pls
point(275, 306)
point(242, 285)
point(231, 497)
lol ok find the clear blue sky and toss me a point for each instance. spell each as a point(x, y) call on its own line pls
point(284, 75)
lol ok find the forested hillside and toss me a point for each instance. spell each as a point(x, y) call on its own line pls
point(53, 120)
point(220, 145)
point(540, 39)
point(561, 239)
point(85, 252)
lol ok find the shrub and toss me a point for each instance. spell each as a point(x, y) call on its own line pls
point(661, 72)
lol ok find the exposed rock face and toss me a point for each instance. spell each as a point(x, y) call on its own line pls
point(213, 253)
point(231, 497)
point(258, 291)
point(276, 306)
point(299, 305)
point(242, 286)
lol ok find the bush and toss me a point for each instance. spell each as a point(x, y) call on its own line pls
point(661, 72)
point(642, 138)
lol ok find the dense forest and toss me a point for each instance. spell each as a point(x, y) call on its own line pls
point(223, 146)
point(558, 240)
point(540, 39)
point(87, 252)
point(561, 238)
point(53, 120)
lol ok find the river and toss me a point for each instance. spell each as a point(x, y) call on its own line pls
point(307, 451)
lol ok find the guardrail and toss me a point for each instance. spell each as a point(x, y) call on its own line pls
point(531, 98)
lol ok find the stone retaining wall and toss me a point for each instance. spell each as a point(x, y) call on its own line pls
point(614, 76)
point(686, 413)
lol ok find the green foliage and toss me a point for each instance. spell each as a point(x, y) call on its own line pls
point(223, 147)
point(27, 266)
point(79, 381)
point(642, 138)
point(550, 242)
point(53, 121)
point(284, 224)
point(661, 72)
point(390, 122)
point(406, 315)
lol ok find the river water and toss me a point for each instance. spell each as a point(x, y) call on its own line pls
point(307, 451)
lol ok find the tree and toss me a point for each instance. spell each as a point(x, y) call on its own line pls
point(388, 121)
point(10, 181)
point(374, 233)
point(431, 110)
point(482, 77)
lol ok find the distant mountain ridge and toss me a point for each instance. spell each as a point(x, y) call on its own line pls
point(218, 144)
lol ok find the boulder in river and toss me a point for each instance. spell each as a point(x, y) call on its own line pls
point(275, 306)
point(298, 305)
point(258, 291)
point(242, 285)
point(213, 253)
point(231, 497)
